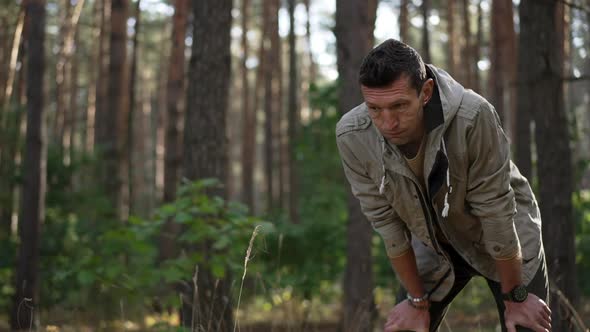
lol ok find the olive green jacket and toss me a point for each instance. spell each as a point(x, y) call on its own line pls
point(484, 206)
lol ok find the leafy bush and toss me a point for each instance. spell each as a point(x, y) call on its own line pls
point(93, 263)
point(582, 216)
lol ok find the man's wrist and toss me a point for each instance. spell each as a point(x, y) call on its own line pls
point(517, 294)
point(420, 302)
point(423, 297)
point(423, 305)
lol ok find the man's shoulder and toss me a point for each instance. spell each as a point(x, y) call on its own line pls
point(472, 105)
point(354, 120)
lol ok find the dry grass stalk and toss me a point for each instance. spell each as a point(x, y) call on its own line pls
point(246, 260)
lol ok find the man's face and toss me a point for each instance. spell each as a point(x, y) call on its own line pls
point(397, 109)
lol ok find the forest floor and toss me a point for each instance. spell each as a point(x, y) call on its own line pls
point(456, 321)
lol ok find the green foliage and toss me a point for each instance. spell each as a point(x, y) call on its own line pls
point(11, 144)
point(91, 262)
point(582, 217)
point(306, 255)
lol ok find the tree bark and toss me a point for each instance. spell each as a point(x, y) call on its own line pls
point(293, 116)
point(135, 129)
point(205, 152)
point(115, 145)
point(62, 75)
point(10, 123)
point(278, 135)
point(101, 122)
point(353, 23)
point(526, 49)
point(453, 45)
point(173, 140)
point(93, 67)
point(467, 49)
point(312, 65)
point(70, 117)
point(404, 21)
point(425, 32)
point(541, 80)
point(477, 86)
point(259, 93)
point(249, 117)
point(268, 105)
point(6, 93)
point(33, 194)
point(503, 67)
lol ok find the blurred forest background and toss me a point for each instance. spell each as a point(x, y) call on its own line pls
point(141, 143)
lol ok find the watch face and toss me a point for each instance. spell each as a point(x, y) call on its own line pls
point(519, 294)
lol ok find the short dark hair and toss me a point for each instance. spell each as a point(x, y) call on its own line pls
point(388, 62)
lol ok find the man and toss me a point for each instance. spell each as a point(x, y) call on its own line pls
point(430, 164)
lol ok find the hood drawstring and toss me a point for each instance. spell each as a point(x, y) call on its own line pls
point(445, 211)
point(382, 185)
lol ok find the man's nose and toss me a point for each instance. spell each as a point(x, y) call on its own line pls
point(391, 119)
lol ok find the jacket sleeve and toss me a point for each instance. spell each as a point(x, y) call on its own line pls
point(489, 193)
point(374, 205)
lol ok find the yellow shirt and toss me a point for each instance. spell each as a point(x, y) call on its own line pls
point(417, 164)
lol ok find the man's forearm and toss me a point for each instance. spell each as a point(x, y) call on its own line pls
point(510, 272)
point(407, 271)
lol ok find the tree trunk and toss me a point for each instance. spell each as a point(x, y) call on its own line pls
point(541, 81)
point(173, 140)
point(503, 67)
point(72, 117)
point(62, 77)
point(26, 297)
point(71, 71)
point(312, 65)
point(352, 26)
point(477, 86)
point(293, 116)
point(277, 116)
point(249, 118)
point(4, 57)
point(260, 94)
point(205, 153)
point(467, 49)
point(10, 123)
point(425, 33)
point(135, 129)
point(268, 105)
point(453, 45)
point(526, 50)
point(93, 67)
point(115, 144)
point(101, 122)
point(404, 21)
point(6, 94)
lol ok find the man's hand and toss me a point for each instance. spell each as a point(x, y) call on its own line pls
point(404, 317)
point(533, 313)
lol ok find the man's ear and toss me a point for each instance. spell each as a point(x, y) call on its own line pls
point(427, 90)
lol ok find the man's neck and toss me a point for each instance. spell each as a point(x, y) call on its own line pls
point(410, 150)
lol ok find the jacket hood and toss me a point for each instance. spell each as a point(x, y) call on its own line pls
point(444, 104)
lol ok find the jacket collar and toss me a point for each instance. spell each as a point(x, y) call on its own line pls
point(433, 111)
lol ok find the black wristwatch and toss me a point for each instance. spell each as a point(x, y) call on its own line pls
point(517, 294)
